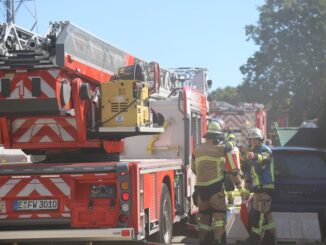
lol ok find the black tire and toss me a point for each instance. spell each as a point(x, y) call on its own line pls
point(164, 235)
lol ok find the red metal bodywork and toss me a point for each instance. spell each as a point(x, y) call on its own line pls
point(196, 101)
point(241, 121)
point(73, 190)
point(71, 184)
point(58, 131)
point(66, 126)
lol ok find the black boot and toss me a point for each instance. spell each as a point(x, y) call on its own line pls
point(253, 239)
point(218, 243)
point(224, 238)
point(269, 238)
point(208, 239)
point(222, 242)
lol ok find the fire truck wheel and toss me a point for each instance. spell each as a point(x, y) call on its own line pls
point(165, 232)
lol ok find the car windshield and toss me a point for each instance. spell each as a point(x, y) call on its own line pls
point(289, 164)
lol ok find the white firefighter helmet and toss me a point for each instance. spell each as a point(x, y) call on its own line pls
point(255, 133)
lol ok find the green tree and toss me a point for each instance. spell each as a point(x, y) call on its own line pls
point(288, 71)
point(228, 94)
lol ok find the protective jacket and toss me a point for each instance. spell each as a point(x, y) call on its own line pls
point(262, 169)
point(209, 166)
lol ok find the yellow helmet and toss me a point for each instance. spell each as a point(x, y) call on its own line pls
point(230, 137)
point(214, 128)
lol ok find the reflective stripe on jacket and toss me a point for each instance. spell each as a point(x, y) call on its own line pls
point(262, 170)
point(232, 160)
point(208, 164)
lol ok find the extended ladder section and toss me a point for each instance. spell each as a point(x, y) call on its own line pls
point(64, 45)
point(67, 46)
point(194, 77)
point(55, 92)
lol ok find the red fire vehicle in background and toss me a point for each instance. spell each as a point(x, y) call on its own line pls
point(82, 109)
point(240, 118)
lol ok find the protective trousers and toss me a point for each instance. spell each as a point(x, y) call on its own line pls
point(211, 219)
point(231, 180)
point(229, 187)
point(261, 221)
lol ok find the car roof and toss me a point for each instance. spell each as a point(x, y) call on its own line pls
point(297, 148)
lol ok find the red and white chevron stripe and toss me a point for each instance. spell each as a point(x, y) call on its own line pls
point(233, 121)
point(45, 130)
point(21, 84)
point(35, 188)
point(240, 122)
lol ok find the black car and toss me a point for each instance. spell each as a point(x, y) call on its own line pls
point(300, 181)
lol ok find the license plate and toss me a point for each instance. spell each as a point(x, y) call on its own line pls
point(51, 204)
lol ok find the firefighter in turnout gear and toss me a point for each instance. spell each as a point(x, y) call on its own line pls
point(262, 227)
point(209, 166)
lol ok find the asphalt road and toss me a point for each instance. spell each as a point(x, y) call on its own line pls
point(186, 239)
point(180, 237)
point(177, 240)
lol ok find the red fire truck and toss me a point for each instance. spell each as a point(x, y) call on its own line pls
point(87, 113)
point(240, 118)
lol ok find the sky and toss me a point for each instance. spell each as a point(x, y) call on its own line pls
point(174, 33)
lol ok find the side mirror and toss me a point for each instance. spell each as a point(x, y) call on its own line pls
point(180, 99)
point(180, 95)
point(209, 83)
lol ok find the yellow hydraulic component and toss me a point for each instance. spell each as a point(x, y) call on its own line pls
point(124, 104)
point(150, 145)
point(165, 148)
